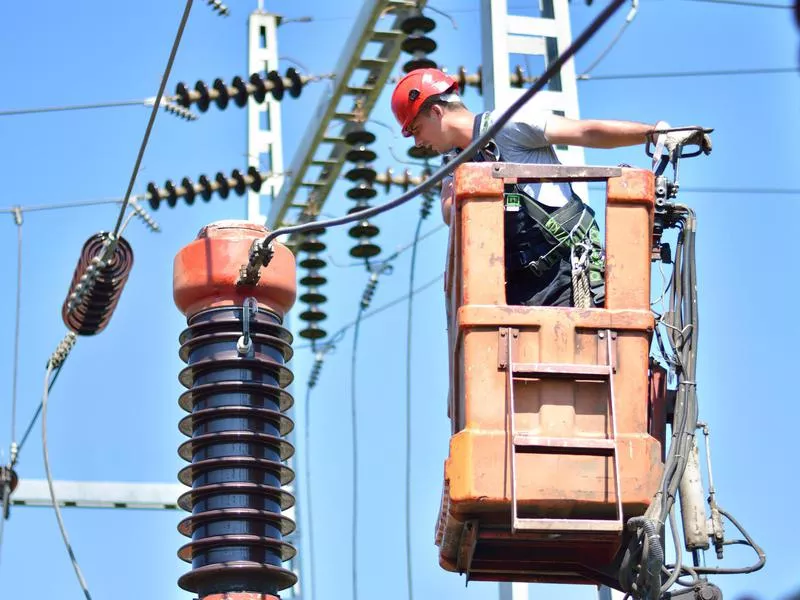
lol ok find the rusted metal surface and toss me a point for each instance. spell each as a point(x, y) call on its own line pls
point(206, 270)
point(630, 209)
point(535, 384)
point(527, 173)
point(564, 445)
point(240, 596)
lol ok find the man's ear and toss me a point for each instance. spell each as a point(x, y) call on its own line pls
point(438, 110)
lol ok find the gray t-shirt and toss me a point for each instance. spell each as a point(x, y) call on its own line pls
point(524, 140)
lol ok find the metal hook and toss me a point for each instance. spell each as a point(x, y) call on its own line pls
point(244, 345)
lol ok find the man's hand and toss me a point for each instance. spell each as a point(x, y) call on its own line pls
point(447, 199)
point(674, 140)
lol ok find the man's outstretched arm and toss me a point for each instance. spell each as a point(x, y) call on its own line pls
point(591, 133)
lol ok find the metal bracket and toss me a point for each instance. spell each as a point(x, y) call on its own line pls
point(502, 346)
point(469, 540)
point(526, 173)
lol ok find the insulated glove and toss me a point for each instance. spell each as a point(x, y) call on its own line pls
point(674, 140)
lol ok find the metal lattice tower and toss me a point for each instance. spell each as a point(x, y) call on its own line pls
point(359, 75)
point(543, 37)
point(264, 138)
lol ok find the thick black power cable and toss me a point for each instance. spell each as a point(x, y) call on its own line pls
point(153, 114)
point(261, 250)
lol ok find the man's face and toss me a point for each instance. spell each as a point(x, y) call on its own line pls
point(428, 131)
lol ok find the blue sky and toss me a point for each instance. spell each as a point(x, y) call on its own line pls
point(114, 410)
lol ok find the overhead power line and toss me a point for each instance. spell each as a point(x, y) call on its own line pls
point(149, 128)
point(761, 71)
point(745, 3)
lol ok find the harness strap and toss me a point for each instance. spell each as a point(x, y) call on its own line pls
point(567, 229)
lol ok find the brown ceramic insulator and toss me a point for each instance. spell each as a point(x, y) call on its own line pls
point(313, 296)
point(359, 137)
point(92, 314)
point(313, 332)
point(417, 23)
point(237, 421)
point(365, 249)
point(362, 191)
point(360, 154)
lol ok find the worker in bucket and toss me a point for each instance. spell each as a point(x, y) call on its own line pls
point(539, 268)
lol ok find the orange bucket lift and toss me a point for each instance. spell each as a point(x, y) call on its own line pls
point(558, 415)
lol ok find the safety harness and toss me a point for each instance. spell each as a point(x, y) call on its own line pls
point(570, 233)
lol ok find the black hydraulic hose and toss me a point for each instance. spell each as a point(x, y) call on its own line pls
point(655, 553)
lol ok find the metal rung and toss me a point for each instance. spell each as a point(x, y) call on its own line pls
point(598, 525)
point(333, 140)
point(371, 63)
point(347, 116)
point(565, 445)
point(387, 36)
point(357, 90)
point(526, 441)
point(563, 369)
point(314, 183)
point(325, 162)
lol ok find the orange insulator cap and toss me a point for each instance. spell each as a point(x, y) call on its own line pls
point(206, 270)
point(241, 596)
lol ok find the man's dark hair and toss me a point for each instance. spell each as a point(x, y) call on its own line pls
point(449, 100)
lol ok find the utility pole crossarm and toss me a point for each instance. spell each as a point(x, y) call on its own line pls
point(106, 494)
point(317, 148)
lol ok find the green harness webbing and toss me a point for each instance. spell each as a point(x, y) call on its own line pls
point(574, 235)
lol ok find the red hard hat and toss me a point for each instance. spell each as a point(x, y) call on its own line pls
point(413, 89)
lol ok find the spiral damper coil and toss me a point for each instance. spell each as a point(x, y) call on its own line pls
point(93, 312)
point(237, 424)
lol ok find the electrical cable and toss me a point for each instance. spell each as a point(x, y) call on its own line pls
point(628, 19)
point(49, 475)
point(45, 109)
point(375, 272)
point(748, 541)
point(425, 211)
point(339, 335)
point(720, 190)
point(15, 368)
point(79, 204)
point(153, 114)
point(38, 411)
point(6, 499)
point(759, 71)
point(743, 3)
point(397, 252)
point(307, 468)
point(260, 251)
point(354, 426)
